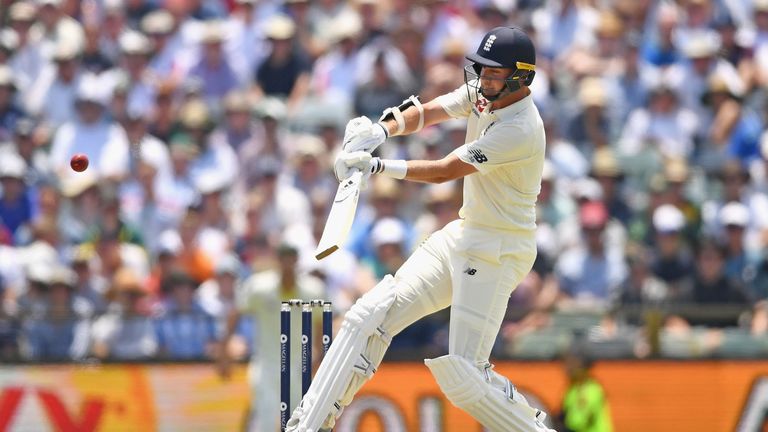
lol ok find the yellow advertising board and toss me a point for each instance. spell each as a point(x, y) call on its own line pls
point(120, 398)
point(643, 396)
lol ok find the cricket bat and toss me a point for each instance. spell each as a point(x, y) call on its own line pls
point(340, 217)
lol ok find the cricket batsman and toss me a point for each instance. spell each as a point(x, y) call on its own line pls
point(473, 263)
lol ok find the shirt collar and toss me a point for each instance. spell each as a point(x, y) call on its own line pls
point(510, 111)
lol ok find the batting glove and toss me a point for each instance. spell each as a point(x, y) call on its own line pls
point(363, 135)
point(348, 163)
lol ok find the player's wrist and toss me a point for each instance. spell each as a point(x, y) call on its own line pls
point(395, 168)
point(380, 131)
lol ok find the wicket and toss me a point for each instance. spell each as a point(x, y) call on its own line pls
point(307, 310)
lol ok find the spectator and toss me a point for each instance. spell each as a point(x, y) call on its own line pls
point(606, 170)
point(184, 330)
point(62, 333)
point(16, 202)
point(214, 69)
point(735, 180)
point(711, 286)
point(384, 203)
point(735, 130)
point(217, 298)
point(10, 113)
point(28, 59)
point(55, 90)
point(591, 273)
point(285, 72)
point(663, 126)
point(191, 257)
point(673, 263)
point(380, 91)
point(312, 167)
point(89, 287)
point(160, 26)
point(104, 142)
point(125, 332)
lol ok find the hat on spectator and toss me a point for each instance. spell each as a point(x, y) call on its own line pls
point(75, 184)
point(82, 254)
point(345, 27)
point(7, 78)
point(734, 214)
point(701, 44)
point(271, 107)
point(229, 264)
point(157, 22)
point(604, 163)
point(13, 166)
point(236, 101)
point(592, 92)
point(266, 166)
point(125, 281)
point(194, 114)
point(134, 42)
point(211, 182)
point(92, 88)
point(55, 3)
point(66, 49)
point(213, 32)
point(588, 189)
point(279, 27)
point(309, 146)
point(9, 39)
point(668, 219)
point(40, 272)
point(593, 214)
point(114, 7)
point(716, 84)
point(760, 5)
point(440, 193)
point(181, 145)
point(63, 275)
point(169, 243)
point(22, 11)
point(676, 170)
point(388, 231)
point(385, 188)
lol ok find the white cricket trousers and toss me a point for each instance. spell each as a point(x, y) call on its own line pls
point(472, 269)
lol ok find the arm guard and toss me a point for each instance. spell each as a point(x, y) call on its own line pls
point(396, 113)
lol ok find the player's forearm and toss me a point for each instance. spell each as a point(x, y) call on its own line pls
point(427, 172)
point(433, 114)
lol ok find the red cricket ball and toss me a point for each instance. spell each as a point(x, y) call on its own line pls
point(79, 162)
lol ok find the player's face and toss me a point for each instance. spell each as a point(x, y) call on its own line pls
point(492, 80)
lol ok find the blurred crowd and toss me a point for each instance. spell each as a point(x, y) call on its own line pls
point(210, 126)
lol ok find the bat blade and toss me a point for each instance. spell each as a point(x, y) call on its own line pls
point(340, 217)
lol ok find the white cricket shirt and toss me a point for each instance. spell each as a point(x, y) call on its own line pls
point(507, 148)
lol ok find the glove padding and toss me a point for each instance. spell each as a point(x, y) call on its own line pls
point(363, 135)
point(347, 163)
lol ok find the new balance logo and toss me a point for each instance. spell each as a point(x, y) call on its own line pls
point(470, 271)
point(489, 42)
point(478, 156)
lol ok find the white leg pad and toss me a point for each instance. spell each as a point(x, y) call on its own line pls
point(487, 396)
point(345, 359)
